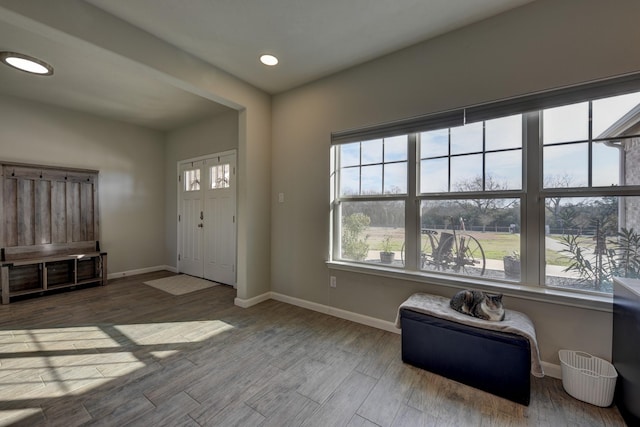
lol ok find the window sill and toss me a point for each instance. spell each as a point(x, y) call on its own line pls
point(546, 295)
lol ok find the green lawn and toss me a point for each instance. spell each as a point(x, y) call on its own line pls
point(557, 258)
point(498, 245)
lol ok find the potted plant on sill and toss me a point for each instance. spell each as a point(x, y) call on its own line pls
point(386, 254)
point(512, 265)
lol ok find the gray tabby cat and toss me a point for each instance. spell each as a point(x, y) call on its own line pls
point(478, 304)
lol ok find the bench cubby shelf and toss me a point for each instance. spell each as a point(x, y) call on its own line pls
point(29, 276)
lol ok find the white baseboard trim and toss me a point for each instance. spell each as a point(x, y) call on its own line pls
point(246, 303)
point(336, 312)
point(552, 370)
point(140, 271)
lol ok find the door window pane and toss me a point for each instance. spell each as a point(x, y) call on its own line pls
point(192, 180)
point(219, 176)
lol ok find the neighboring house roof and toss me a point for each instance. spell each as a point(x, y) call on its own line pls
point(628, 124)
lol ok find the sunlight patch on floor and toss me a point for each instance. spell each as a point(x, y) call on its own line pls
point(173, 332)
point(164, 354)
point(61, 339)
point(58, 362)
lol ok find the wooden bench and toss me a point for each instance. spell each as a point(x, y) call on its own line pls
point(40, 268)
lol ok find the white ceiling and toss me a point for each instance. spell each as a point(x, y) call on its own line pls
point(95, 82)
point(312, 39)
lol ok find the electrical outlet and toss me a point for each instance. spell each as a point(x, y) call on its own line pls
point(332, 281)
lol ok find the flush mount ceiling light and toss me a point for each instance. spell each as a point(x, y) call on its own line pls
point(26, 63)
point(269, 60)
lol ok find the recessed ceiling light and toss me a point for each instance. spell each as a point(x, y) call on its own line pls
point(269, 60)
point(26, 63)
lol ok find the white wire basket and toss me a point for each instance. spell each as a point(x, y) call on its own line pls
point(588, 378)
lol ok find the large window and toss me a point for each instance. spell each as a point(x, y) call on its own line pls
point(537, 196)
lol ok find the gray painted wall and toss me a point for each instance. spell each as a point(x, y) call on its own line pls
point(138, 192)
point(131, 164)
point(546, 44)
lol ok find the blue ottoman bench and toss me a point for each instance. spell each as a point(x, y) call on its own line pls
point(496, 361)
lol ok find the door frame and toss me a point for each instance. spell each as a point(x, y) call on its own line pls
point(179, 165)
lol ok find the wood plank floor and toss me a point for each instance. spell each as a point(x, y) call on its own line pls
point(129, 354)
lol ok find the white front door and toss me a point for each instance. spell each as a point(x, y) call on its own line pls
point(220, 225)
point(190, 218)
point(207, 218)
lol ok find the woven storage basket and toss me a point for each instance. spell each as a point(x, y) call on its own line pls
point(588, 378)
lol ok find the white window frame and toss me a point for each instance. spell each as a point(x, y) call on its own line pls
point(531, 194)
